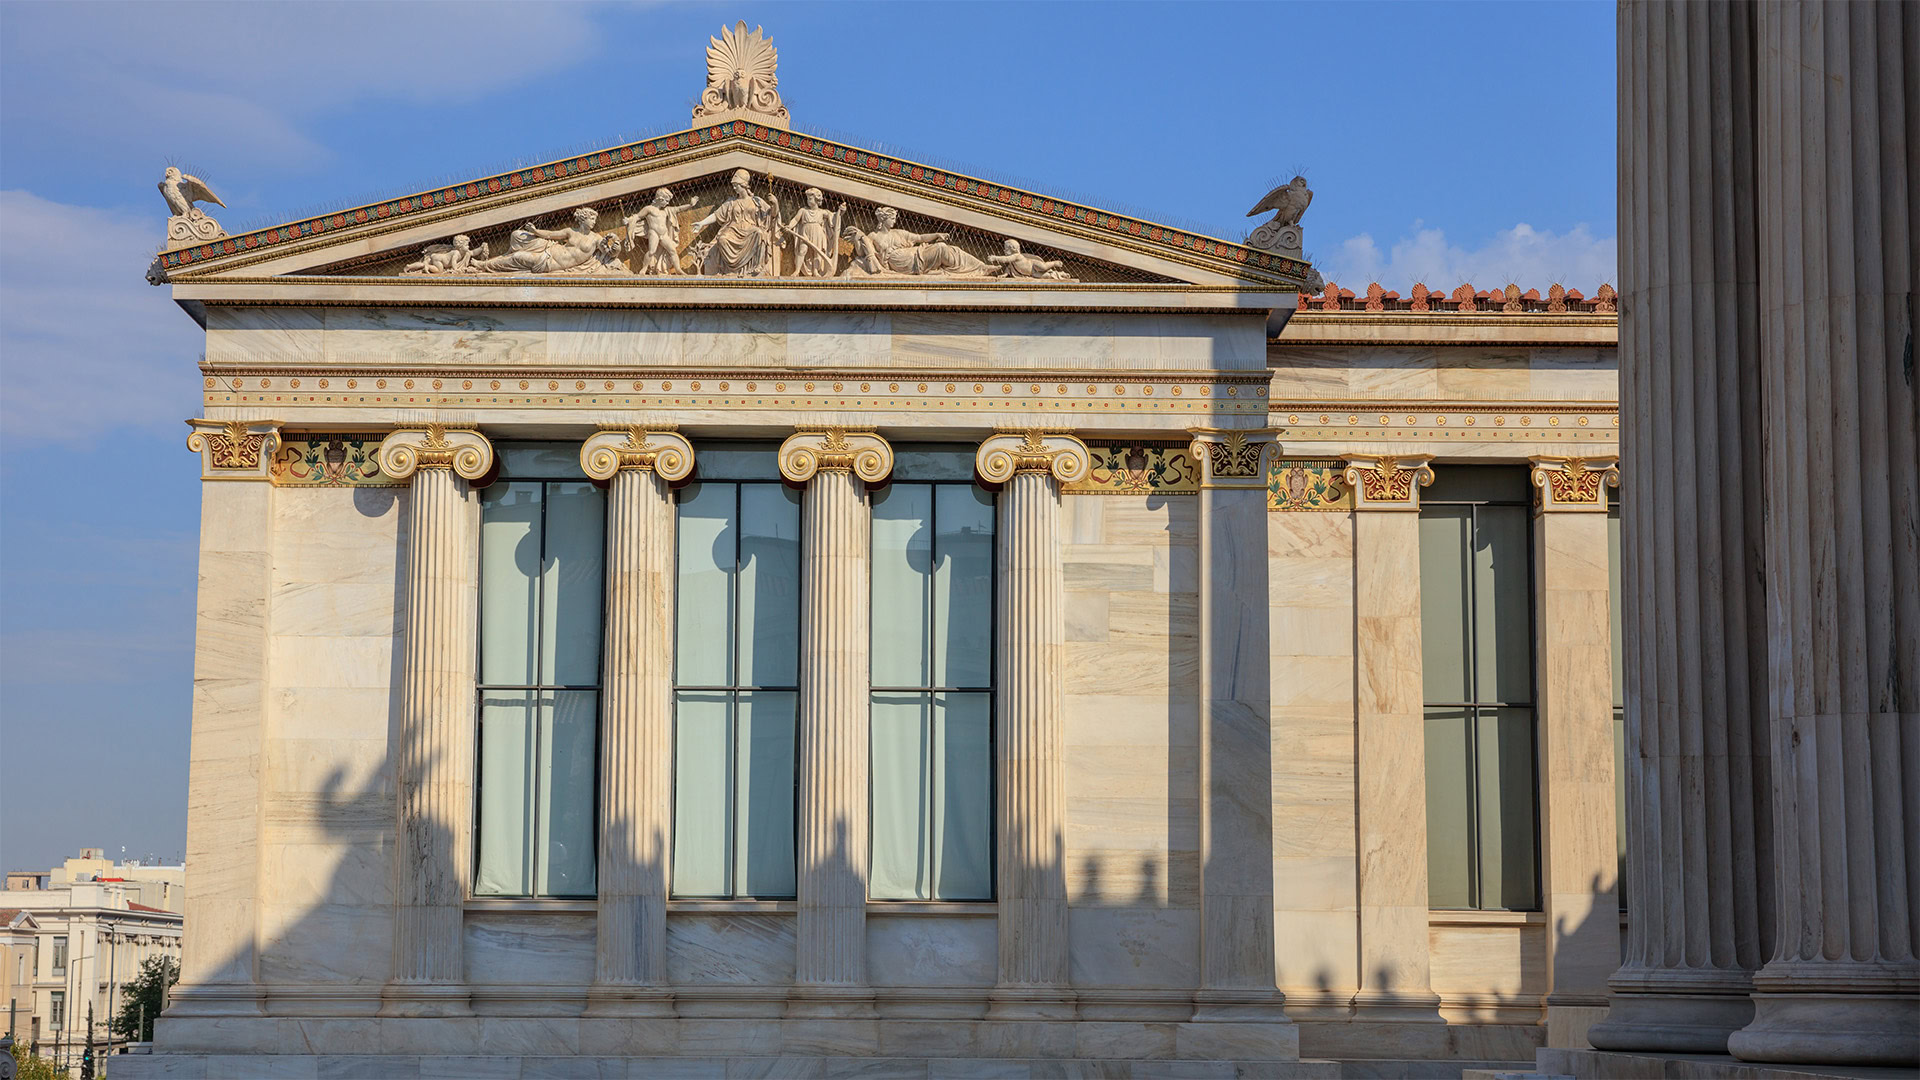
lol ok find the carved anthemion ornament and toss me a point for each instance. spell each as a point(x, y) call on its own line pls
point(188, 224)
point(1281, 233)
point(234, 449)
point(1233, 456)
point(741, 78)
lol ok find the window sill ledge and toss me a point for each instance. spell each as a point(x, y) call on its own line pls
point(933, 907)
point(509, 905)
point(745, 907)
point(1486, 918)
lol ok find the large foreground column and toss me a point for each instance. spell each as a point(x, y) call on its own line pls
point(830, 973)
point(1573, 635)
point(1034, 980)
point(1390, 738)
point(1839, 101)
point(1699, 823)
point(230, 683)
point(636, 718)
point(433, 750)
point(1236, 737)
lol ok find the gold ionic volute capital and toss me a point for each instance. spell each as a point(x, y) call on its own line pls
point(862, 453)
point(1573, 483)
point(436, 446)
point(1388, 482)
point(660, 450)
point(1005, 453)
point(234, 449)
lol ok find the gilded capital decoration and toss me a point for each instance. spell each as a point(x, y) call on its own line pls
point(1571, 483)
point(1231, 457)
point(1385, 482)
point(1007, 453)
point(862, 453)
point(661, 451)
point(234, 449)
point(436, 446)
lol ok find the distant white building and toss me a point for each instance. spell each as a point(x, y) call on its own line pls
point(94, 922)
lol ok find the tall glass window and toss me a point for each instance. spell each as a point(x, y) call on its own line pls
point(736, 679)
point(1476, 604)
point(932, 675)
point(59, 955)
point(542, 573)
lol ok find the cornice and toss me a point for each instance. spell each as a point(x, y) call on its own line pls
point(794, 147)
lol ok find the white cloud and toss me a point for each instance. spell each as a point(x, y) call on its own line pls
point(215, 81)
point(86, 345)
point(1522, 255)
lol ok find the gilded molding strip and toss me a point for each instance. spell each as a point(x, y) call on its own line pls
point(314, 459)
point(1140, 468)
point(1313, 484)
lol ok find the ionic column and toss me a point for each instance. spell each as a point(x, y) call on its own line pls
point(1839, 225)
point(1034, 979)
point(219, 975)
point(433, 751)
point(1390, 739)
point(636, 718)
point(1235, 733)
point(830, 972)
point(1699, 822)
point(1573, 644)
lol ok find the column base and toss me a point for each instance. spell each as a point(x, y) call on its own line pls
point(1671, 1023)
point(634, 1000)
point(1831, 1029)
point(1394, 1006)
point(1031, 1003)
point(1239, 1007)
point(835, 1002)
point(217, 999)
point(426, 999)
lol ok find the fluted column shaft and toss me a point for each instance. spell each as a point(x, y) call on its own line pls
point(1030, 813)
point(1237, 975)
point(830, 971)
point(433, 749)
point(636, 718)
point(1839, 184)
point(1698, 811)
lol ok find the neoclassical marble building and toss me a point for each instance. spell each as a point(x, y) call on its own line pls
point(743, 598)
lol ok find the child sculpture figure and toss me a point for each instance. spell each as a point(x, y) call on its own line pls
point(814, 233)
point(1015, 263)
point(659, 222)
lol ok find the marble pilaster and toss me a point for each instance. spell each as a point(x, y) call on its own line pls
point(1838, 88)
point(220, 944)
point(830, 974)
point(433, 750)
point(1034, 980)
point(1574, 679)
point(1396, 982)
point(1699, 818)
point(636, 718)
point(1236, 740)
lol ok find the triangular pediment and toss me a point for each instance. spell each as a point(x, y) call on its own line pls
point(903, 223)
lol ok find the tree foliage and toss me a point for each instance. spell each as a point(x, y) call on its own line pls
point(144, 991)
point(31, 1066)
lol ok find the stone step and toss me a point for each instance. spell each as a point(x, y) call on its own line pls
point(397, 1067)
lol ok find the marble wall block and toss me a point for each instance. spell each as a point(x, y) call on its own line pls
point(1464, 372)
point(1316, 929)
point(1489, 973)
point(524, 948)
point(931, 950)
point(730, 949)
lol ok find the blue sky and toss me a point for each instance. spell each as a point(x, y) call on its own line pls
point(1444, 142)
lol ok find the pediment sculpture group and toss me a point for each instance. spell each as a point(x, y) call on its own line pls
point(744, 236)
